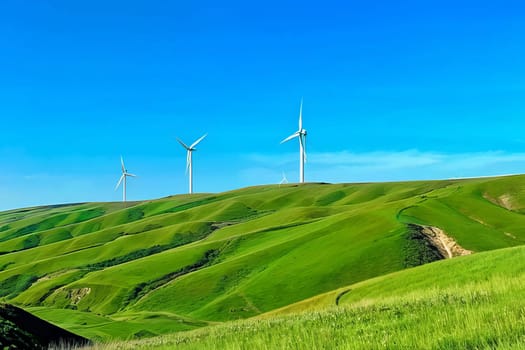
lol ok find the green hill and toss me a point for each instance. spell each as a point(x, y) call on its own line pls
point(21, 330)
point(115, 270)
point(472, 302)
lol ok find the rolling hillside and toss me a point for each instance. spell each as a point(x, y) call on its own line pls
point(472, 302)
point(115, 270)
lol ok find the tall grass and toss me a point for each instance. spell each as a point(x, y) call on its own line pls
point(481, 315)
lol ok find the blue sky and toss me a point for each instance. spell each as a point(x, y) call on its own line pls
point(393, 90)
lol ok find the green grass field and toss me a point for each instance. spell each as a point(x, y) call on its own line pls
point(136, 270)
point(474, 302)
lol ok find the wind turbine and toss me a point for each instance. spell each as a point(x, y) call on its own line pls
point(301, 134)
point(189, 166)
point(123, 177)
point(284, 181)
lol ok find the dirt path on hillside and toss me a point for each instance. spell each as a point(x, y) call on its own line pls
point(446, 245)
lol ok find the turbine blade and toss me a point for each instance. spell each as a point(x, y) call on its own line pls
point(122, 163)
point(292, 136)
point(119, 181)
point(301, 116)
point(182, 143)
point(132, 175)
point(199, 140)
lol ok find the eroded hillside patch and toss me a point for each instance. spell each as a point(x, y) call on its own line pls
point(419, 249)
point(76, 295)
point(428, 243)
point(505, 200)
point(444, 242)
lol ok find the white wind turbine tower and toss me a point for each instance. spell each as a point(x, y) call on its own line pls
point(189, 166)
point(301, 134)
point(123, 177)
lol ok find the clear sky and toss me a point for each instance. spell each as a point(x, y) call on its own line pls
point(393, 90)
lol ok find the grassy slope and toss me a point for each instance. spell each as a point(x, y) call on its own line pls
point(207, 258)
point(473, 302)
point(22, 330)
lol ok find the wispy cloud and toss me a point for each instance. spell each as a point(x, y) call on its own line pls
point(348, 166)
point(410, 158)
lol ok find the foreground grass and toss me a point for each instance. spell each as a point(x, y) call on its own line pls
point(485, 311)
point(463, 318)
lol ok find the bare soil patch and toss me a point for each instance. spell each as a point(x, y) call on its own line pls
point(447, 246)
point(505, 200)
